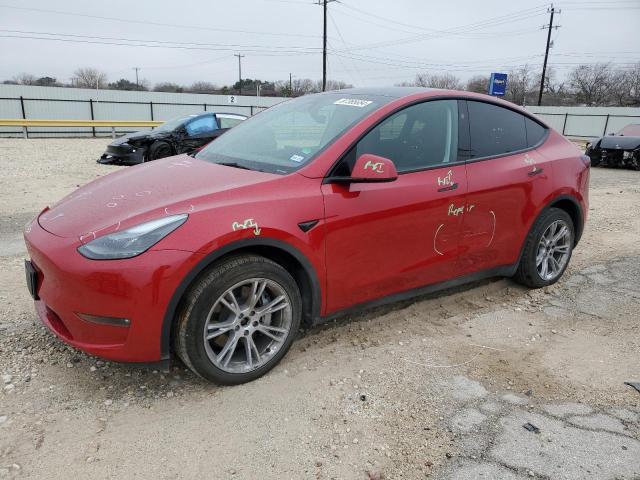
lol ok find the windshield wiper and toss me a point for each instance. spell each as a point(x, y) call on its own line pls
point(234, 164)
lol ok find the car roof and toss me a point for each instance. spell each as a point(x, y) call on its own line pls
point(391, 92)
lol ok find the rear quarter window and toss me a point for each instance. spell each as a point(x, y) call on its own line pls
point(495, 130)
point(229, 122)
point(535, 132)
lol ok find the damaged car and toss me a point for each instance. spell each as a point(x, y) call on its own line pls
point(620, 149)
point(186, 134)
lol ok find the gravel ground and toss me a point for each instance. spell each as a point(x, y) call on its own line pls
point(438, 387)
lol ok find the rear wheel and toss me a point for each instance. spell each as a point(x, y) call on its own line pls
point(239, 320)
point(158, 150)
point(547, 249)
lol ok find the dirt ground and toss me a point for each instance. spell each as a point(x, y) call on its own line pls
point(439, 387)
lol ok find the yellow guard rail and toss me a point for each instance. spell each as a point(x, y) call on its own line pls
point(24, 123)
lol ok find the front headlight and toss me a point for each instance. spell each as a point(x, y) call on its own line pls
point(132, 241)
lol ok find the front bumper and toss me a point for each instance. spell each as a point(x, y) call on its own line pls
point(138, 289)
point(123, 153)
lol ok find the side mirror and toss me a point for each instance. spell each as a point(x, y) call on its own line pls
point(370, 168)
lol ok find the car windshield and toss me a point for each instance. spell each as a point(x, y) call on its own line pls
point(631, 130)
point(287, 136)
point(170, 125)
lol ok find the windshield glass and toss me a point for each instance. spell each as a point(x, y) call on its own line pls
point(287, 136)
point(170, 125)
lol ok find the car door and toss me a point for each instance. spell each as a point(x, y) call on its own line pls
point(199, 131)
point(508, 181)
point(386, 238)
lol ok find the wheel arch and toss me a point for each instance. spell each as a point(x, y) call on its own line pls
point(570, 205)
point(278, 251)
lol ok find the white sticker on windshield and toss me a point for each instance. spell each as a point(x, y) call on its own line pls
point(353, 102)
point(296, 158)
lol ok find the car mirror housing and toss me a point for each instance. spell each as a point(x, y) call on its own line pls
point(370, 168)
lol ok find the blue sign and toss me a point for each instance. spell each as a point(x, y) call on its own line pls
point(498, 84)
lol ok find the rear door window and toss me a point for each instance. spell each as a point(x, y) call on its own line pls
point(495, 130)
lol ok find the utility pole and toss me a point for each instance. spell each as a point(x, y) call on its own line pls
point(137, 84)
point(290, 85)
point(324, 42)
point(239, 72)
point(552, 11)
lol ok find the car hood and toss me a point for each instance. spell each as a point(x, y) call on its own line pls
point(137, 194)
point(619, 142)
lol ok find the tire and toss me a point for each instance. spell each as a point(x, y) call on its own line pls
point(529, 270)
point(158, 150)
point(205, 312)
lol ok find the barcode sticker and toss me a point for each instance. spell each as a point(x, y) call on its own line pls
point(353, 102)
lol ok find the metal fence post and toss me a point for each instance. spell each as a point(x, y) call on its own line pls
point(25, 132)
point(93, 129)
point(606, 124)
point(251, 110)
point(564, 125)
point(205, 106)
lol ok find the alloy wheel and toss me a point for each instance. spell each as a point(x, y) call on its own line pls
point(247, 325)
point(554, 250)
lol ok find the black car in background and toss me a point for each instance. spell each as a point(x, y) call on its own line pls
point(621, 149)
point(184, 134)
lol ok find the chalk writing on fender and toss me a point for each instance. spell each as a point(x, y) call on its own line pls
point(247, 224)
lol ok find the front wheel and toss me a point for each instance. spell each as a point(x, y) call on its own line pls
point(238, 320)
point(547, 249)
point(159, 149)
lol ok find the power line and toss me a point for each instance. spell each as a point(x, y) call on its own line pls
point(166, 42)
point(157, 24)
point(452, 32)
point(255, 52)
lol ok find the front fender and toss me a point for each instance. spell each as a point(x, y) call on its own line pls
point(227, 249)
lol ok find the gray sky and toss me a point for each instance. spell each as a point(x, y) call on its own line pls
point(371, 43)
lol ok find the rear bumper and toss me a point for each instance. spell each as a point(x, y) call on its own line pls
point(136, 289)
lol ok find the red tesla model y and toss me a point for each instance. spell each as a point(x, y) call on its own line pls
point(317, 206)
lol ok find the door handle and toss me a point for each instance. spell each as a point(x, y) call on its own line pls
point(448, 188)
point(535, 171)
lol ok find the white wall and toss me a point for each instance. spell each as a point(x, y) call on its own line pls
point(587, 122)
point(76, 103)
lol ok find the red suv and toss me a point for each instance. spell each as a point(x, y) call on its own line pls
point(317, 206)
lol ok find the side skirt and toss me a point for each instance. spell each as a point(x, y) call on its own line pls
point(504, 271)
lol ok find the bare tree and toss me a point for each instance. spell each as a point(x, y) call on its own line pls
point(334, 85)
point(478, 84)
point(435, 80)
point(520, 83)
point(168, 87)
point(634, 85)
point(87, 77)
point(303, 86)
point(591, 83)
point(25, 79)
point(203, 87)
